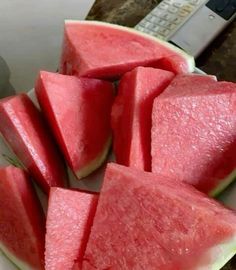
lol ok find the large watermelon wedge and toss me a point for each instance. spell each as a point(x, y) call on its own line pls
point(103, 50)
point(22, 126)
point(146, 221)
point(132, 115)
point(22, 222)
point(194, 132)
point(78, 111)
point(69, 218)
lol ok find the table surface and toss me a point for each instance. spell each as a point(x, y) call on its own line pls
point(218, 59)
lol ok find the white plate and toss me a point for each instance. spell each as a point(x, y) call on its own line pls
point(92, 183)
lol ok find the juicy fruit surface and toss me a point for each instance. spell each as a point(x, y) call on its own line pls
point(78, 110)
point(22, 223)
point(194, 132)
point(69, 219)
point(131, 115)
point(103, 50)
point(22, 126)
point(149, 221)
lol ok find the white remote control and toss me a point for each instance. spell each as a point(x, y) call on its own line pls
point(189, 24)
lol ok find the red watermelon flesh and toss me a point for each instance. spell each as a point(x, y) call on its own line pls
point(191, 84)
point(69, 218)
point(103, 50)
point(22, 222)
point(131, 115)
point(147, 221)
point(194, 133)
point(22, 126)
point(78, 111)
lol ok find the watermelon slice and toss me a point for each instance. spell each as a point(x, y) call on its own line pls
point(103, 50)
point(147, 221)
point(23, 129)
point(131, 115)
point(69, 218)
point(194, 132)
point(78, 111)
point(22, 222)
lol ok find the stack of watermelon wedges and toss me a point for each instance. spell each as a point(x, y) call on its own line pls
point(128, 97)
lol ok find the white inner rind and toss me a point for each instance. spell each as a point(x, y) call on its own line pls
point(220, 255)
point(96, 163)
point(18, 263)
point(189, 59)
point(223, 184)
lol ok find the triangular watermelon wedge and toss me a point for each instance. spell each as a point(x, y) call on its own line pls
point(25, 132)
point(69, 218)
point(22, 222)
point(103, 50)
point(147, 221)
point(132, 115)
point(78, 111)
point(194, 132)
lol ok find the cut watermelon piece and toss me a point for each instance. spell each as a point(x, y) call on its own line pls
point(194, 133)
point(103, 50)
point(146, 221)
point(23, 129)
point(132, 115)
point(69, 218)
point(78, 111)
point(22, 222)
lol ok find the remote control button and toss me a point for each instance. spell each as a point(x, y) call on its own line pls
point(171, 26)
point(149, 25)
point(156, 28)
point(142, 23)
point(163, 6)
point(140, 28)
point(167, 16)
point(177, 20)
point(163, 23)
point(164, 32)
point(173, 9)
point(195, 2)
point(188, 8)
point(157, 12)
point(183, 13)
point(178, 5)
point(151, 19)
point(168, 2)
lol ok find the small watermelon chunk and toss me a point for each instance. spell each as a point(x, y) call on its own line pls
point(22, 222)
point(22, 126)
point(78, 111)
point(69, 218)
point(132, 115)
point(194, 132)
point(147, 221)
point(103, 50)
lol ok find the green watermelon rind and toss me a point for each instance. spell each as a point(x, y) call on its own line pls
point(223, 184)
point(228, 249)
point(188, 58)
point(13, 259)
point(11, 158)
point(95, 163)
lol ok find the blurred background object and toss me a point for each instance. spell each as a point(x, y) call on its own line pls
point(31, 33)
point(6, 89)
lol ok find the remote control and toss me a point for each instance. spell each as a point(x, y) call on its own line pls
point(189, 24)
